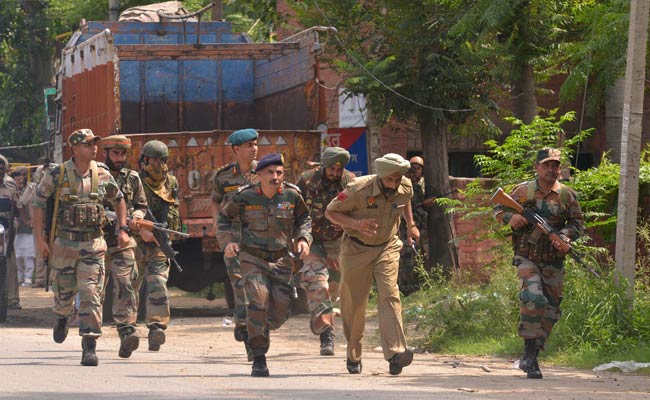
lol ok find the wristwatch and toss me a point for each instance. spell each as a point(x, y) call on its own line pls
point(124, 228)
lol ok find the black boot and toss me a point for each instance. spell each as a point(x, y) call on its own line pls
point(400, 360)
point(60, 329)
point(259, 366)
point(528, 361)
point(129, 342)
point(88, 356)
point(327, 342)
point(353, 367)
point(156, 337)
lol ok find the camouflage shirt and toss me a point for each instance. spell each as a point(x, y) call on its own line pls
point(363, 199)
point(227, 180)
point(318, 191)
point(9, 189)
point(162, 210)
point(561, 211)
point(131, 186)
point(267, 224)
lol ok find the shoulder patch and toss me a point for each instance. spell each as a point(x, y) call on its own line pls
point(224, 168)
point(242, 188)
point(342, 196)
point(292, 186)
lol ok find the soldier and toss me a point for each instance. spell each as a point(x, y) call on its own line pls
point(161, 190)
point(540, 262)
point(272, 213)
point(9, 189)
point(407, 280)
point(369, 211)
point(319, 186)
point(40, 270)
point(76, 255)
point(226, 181)
point(120, 261)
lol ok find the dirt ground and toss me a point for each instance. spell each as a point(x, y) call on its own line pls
point(201, 360)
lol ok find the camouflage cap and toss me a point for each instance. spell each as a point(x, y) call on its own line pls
point(82, 136)
point(335, 155)
point(155, 149)
point(269, 159)
point(242, 136)
point(116, 142)
point(548, 154)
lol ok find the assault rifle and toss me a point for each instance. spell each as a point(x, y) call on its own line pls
point(502, 198)
point(160, 234)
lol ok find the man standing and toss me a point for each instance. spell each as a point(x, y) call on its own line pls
point(120, 261)
point(540, 262)
point(272, 214)
point(319, 186)
point(9, 189)
point(407, 278)
point(24, 241)
point(225, 183)
point(161, 190)
point(77, 250)
point(27, 198)
point(369, 211)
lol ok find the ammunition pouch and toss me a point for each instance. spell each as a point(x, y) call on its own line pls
point(82, 215)
point(535, 246)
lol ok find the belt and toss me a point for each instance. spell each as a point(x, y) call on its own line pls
point(265, 255)
point(78, 236)
point(361, 242)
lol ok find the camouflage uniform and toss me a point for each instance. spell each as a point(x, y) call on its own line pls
point(407, 280)
point(153, 265)
point(319, 266)
point(77, 252)
point(225, 183)
point(540, 266)
point(9, 189)
point(268, 226)
point(120, 262)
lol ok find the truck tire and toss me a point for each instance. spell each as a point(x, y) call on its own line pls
point(4, 301)
point(229, 294)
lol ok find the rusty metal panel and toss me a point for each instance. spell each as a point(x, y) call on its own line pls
point(219, 51)
point(295, 108)
point(89, 80)
point(194, 156)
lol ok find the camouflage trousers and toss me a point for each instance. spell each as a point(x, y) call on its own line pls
point(314, 279)
point(78, 267)
point(237, 282)
point(540, 295)
point(121, 268)
point(268, 293)
point(153, 268)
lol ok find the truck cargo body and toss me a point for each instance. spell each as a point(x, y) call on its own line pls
point(191, 87)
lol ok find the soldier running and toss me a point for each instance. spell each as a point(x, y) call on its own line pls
point(319, 186)
point(272, 213)
point(77, 251)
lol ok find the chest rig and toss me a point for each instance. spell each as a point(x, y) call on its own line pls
point(82, 214)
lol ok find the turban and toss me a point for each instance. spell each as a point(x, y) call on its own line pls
point(391, 163)
point(334, 155)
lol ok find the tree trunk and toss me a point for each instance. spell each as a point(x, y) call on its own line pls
point(524, 101)
point(614, 119)
point(436, 175)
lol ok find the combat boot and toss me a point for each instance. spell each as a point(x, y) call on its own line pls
point(128, 343)
point(60, 331)
point(353, 367)
point(535, 372)
point(327, 342)
point(156, 337)
point(88, 356)
point(529, 358)
point(259, 366)
point(400, 360)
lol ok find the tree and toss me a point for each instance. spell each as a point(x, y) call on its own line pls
point(400, 56)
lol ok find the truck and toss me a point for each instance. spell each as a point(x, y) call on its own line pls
point(190, 84)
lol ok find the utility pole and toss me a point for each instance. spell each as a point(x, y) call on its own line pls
point(628, 194)
point(113, 10)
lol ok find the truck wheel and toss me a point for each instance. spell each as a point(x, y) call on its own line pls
point(229, 294)
point(3, 289)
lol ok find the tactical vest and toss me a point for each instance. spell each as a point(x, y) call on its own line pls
point(81, 215)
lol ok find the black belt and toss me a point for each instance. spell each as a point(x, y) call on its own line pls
point(264, 254)
point(361, 242)
point(78, 236)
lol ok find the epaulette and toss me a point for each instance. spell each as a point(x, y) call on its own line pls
point(242, 188)
point(362, 182)
point(223, 168)
point(294, 187)
point(102, 165)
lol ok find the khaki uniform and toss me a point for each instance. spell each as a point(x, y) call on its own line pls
point(364, 258)
point(78, 249)
point(225, 183)
point(120, 262)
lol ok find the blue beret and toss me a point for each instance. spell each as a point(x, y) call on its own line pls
point(242, 136)
point(269, 159)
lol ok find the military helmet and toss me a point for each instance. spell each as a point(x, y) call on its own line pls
point(155, 149)
point(116, 142)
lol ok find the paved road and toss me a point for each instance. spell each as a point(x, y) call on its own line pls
point(202, 361)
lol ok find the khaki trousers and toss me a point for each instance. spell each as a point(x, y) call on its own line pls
point(359, 266)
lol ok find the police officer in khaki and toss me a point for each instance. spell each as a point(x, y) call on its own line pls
point(76, 253)
point(369, 211)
